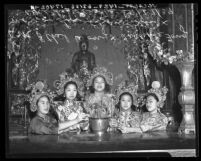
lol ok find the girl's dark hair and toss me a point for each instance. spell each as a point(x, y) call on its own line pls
point(153, 95)
point(107, 86)
point(53, 113)
point(78, 97)
point(133, 107)
point(70, 82)
point(41, 97)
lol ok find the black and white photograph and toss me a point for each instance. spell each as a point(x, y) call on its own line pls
point(87, 80)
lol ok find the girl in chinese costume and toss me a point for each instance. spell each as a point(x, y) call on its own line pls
point(71, 88)
point(154, 120)
point(100, 103)
point(41, 99)
point(125, 117)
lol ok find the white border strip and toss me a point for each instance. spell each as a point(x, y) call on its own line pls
point(173, 152)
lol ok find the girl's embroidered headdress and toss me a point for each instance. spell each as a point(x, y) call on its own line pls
point(100, 71)
point(65, 78)
point(159, 92)
point(128, 87)
point(39, 89)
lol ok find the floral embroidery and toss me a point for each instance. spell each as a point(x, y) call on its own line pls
point(129, 119)
point(69, 111)
point(150, 122)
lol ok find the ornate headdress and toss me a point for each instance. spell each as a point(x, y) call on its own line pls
point(131, 88)
point(65, 78)
point(39, 89)
point(159, 92)
point(100, 71)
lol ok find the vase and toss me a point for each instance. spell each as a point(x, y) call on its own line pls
point(99, 125)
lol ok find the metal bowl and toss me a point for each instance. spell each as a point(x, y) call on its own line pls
point(99, 125)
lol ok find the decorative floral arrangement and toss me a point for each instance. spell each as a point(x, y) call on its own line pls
point(99, 111)
point(163, 55)
point(17, 104)
point(26, 26)
point(29, 26)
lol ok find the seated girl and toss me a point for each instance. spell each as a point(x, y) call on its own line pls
point(70, 88)
point(99, 103)
point(125, 117)
point(40, 100)
point(153, 120)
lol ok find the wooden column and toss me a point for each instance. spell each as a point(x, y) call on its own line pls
point(187, 97)
point(184, 15)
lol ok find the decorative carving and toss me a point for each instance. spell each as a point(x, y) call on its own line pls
point(17, 104)
point(187, 97)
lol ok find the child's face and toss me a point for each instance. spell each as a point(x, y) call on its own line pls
point(99, 84)
point(125, 102)
point(71, 92)
point(151, 104)
point(43, 105)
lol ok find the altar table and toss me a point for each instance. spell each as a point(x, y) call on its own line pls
point(67, 144)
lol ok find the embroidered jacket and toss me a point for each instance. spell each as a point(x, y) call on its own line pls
point(69, 111)
point(154, 122)
point(128, 118)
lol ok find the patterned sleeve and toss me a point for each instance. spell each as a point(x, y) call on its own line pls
point(135, 120)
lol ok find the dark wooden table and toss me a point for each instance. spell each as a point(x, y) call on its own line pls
point(112, 142)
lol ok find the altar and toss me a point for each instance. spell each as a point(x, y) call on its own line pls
point(86, 144)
